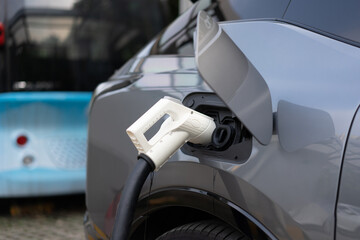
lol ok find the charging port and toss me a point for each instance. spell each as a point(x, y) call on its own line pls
point(230, 140)
point(222, 137)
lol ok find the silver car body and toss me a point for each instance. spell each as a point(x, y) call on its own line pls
point(303, 184)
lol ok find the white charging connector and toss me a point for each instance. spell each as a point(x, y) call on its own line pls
point(183, 125)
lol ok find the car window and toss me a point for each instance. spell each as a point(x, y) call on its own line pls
point(340, 18)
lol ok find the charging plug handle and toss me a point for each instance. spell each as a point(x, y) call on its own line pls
point(183, 124)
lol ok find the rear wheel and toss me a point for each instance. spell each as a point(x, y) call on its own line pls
point(204, 230)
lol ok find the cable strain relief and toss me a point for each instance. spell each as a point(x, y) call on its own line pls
point(148, 160)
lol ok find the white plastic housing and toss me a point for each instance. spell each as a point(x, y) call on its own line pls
point(184, 124)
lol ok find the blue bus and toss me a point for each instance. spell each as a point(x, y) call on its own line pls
point(52, 56)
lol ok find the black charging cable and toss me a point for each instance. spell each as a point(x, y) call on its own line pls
point(129, 197)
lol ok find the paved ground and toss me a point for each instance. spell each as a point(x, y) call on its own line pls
point(42, 218)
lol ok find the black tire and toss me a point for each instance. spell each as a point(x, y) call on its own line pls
point(204, 230)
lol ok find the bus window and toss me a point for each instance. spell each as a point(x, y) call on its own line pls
point(75, 45)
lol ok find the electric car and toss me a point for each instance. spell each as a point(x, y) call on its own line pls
point(281, 81)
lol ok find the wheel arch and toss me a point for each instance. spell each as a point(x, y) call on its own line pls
point(168, 208)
